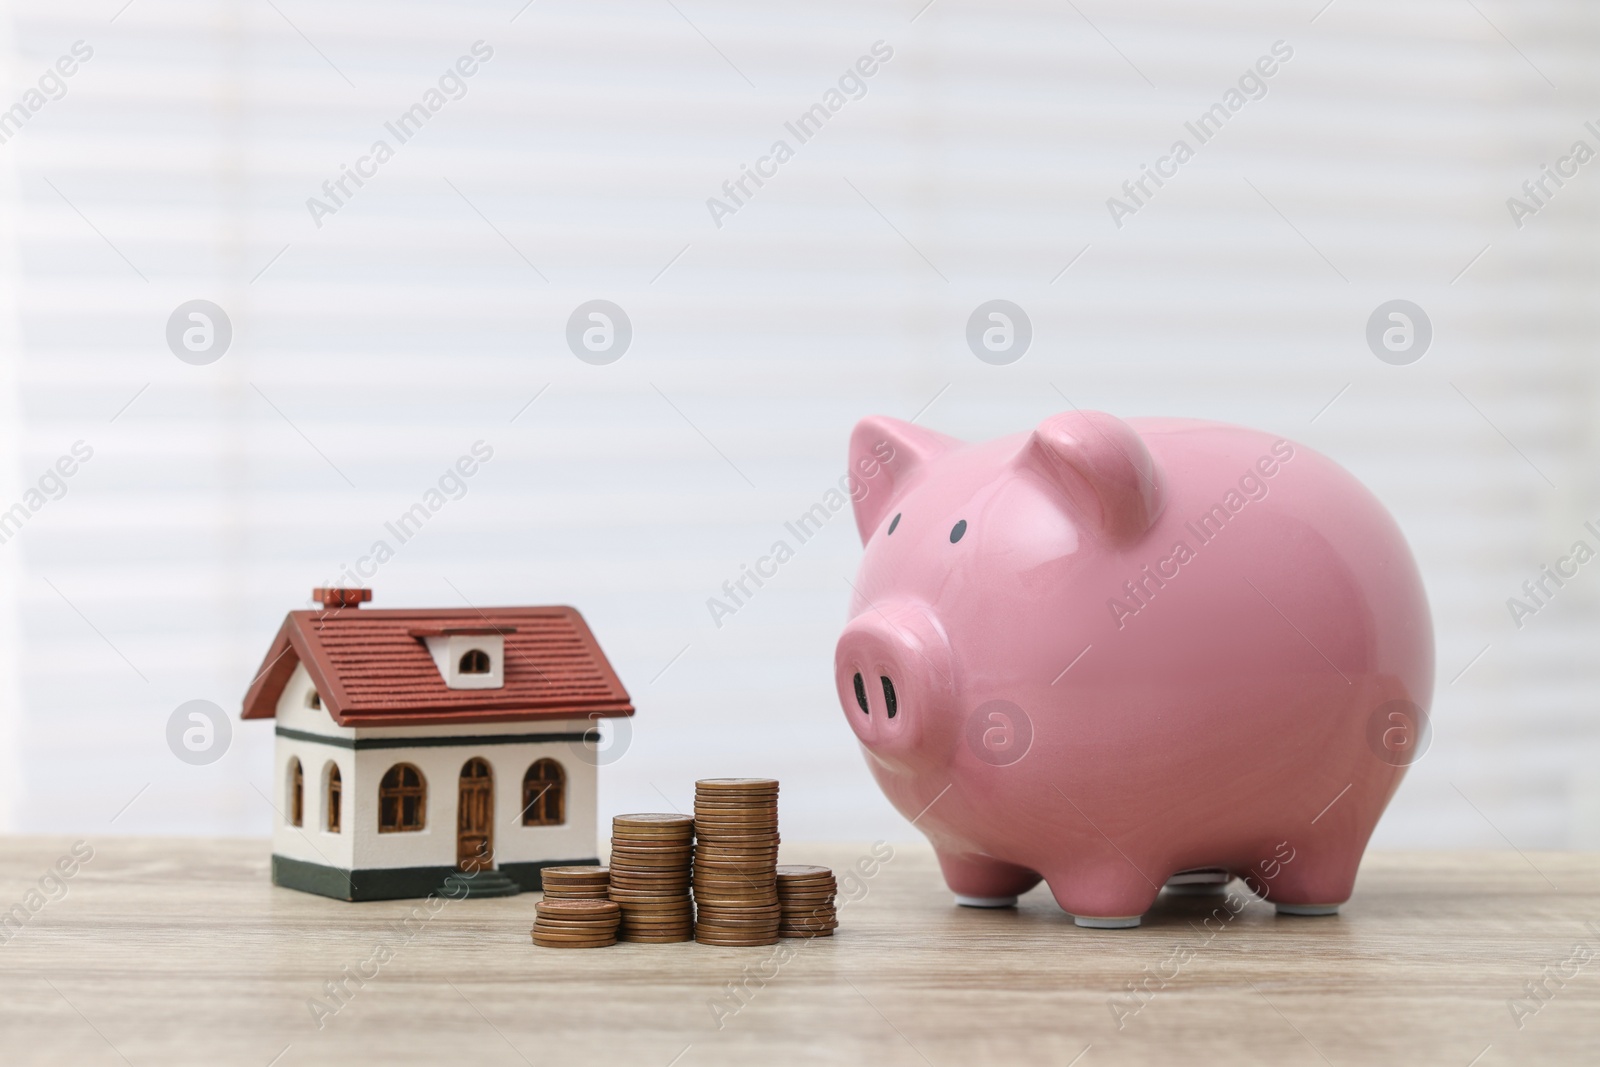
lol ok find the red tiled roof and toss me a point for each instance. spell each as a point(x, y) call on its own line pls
point(371, 668)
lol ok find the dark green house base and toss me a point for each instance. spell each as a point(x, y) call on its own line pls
point(401, 882)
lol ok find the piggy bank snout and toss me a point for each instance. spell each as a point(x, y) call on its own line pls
point(892, 668)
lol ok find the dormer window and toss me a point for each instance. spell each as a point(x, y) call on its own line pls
point(468, 657)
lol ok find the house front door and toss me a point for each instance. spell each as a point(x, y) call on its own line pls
point(475, 818)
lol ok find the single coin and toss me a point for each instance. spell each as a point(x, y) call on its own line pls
point(653, 879)
point(653, 840)
point(652, 818)
point(712, 916)
point(735, 784)
point(575, 944)
point(646, 880)
point(584, 871)
point(715, 904)
point(735, 850)
point(575, 909)
point(716, 913)
point(572, 935)
point(803, 870)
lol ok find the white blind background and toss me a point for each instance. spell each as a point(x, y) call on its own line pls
point(370, 353)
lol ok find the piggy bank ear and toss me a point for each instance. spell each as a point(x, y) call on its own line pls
point(1101, 467)
point(885, 454)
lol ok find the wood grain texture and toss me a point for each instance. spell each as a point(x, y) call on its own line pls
point(180, 952)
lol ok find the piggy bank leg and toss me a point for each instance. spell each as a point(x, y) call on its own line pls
point(984, 882)
point(1110, 897)
point(1310, 884)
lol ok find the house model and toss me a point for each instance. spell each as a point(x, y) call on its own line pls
point(415, 744)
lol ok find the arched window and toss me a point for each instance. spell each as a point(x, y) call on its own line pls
point(402, 800)
point(314, 700)
point(474, 661)
point(297, 794)
point(544, 794)
point(334, 792)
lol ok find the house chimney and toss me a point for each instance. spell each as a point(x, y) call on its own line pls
point(340, 598)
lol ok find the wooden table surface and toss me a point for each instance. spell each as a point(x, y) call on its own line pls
point(178, 951)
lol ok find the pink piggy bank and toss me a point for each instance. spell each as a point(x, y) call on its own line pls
point(1118, 656)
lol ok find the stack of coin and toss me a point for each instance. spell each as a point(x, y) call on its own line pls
point(650, 858)
point(575, 883)
point(805, 897)
point(575, 923)
point(735, 860)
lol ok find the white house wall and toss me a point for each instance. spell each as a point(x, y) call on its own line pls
point(359, 845)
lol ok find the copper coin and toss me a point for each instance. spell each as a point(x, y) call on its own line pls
point(654, 840)
point(652, 819)
point(583, 872)
point(714, 914)
point(639, 896)
point(736, 849)
point(575, 908)
point(714, 904)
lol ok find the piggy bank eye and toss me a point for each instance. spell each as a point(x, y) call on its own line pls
point(957, 530)
point(893, 523)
